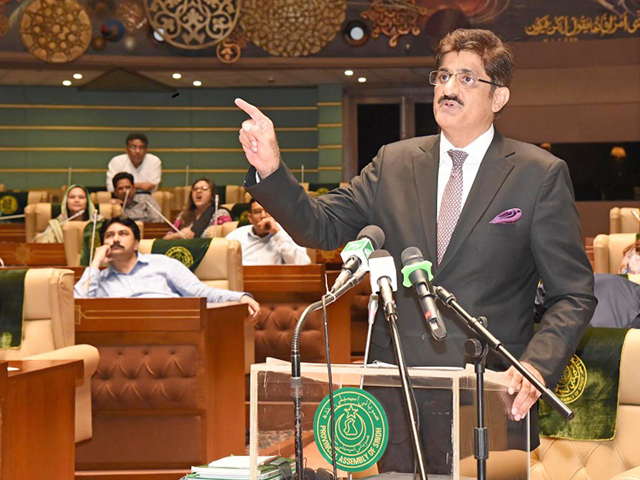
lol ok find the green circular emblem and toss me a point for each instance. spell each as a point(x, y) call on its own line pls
point(8, 205)
point(362, 429)
point(573, 381)
point(181, 254)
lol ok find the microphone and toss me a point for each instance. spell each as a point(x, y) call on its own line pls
point(215, 215)
point(382, 275)
point(355, 254)
point(417, 272)
point(150, 205)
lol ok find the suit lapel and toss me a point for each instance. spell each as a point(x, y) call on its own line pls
point(425, 176)
point(494, 169)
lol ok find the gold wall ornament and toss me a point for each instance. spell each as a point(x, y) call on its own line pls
point(289, 28)
point(193, 24)
point(229, 50)
point(55, 31)
point(394, 18)
point(4, 25)
point(131, 14)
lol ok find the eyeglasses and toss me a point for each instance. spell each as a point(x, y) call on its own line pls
point(137, 147)
point(204, 188)
point(466, 78)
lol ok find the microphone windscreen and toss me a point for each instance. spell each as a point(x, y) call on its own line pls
point(373, 233)
point(379, 254)
point(411, 255)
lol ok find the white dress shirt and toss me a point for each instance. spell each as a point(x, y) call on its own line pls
point(476, 150)
point(272, 249)
point(150, 170)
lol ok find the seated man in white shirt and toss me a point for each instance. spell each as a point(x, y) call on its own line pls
point(264, 242)
point(133, 274)
point(145, 167)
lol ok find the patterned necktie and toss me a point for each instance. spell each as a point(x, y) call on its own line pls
point(451, 202)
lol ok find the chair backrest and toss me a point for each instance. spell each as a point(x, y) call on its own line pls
point(36, 219)
point(37, 196)
point(180, 198)
point(100, 197)
point(234, 194)
point(72, 235)
point(165, 200)
point(109, 210)
point(607, 251)
point(600, 460)
point(221, 266)
point(622, 220)
point(222, 230)
point(48, 313)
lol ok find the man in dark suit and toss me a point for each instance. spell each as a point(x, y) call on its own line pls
point(492, 214)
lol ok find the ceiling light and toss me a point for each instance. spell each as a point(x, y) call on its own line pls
point(197, 83)
point(66, 83)
point(177, 76)
point(77, 76)
point(362, 79)
point(356, 33)
point(348, 73)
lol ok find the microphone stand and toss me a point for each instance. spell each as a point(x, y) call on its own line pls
point(477, 348)
point(392, 317)
point(296, 378)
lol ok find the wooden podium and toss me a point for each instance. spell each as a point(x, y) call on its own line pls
point(37, 403)
point(169, 389)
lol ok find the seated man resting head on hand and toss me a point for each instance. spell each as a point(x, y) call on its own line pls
point(264, 242)
point(139, 207)
point(132, 274)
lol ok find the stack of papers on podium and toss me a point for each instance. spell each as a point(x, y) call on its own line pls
point(237, 467)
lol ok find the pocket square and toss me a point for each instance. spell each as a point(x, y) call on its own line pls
point(508, 216)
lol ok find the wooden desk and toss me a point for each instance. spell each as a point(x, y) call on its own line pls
point(32, 254)
point(12, 232)
point(155, 230)
point(38, 420)
point(300, 285)
point(169, 389)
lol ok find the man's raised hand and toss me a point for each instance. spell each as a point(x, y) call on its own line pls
point(258, 139)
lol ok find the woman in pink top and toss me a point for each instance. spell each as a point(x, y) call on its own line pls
point(198, 215)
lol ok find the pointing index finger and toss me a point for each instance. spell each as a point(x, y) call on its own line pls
point(249, 109)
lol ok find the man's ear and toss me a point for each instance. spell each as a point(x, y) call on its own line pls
point(136, 245)
point(500, 98)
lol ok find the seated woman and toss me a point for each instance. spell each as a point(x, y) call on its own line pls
point(75, 199)
point(198, 215)
point(631, 260)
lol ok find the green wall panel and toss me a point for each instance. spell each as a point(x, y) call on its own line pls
point(37, 107)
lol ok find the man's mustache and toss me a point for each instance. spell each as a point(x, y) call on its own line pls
point(450, 98)
point(114, 245)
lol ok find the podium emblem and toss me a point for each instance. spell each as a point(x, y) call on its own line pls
point(362, 429)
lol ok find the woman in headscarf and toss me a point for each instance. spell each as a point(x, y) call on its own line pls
point(75, 199)
point(199, 213)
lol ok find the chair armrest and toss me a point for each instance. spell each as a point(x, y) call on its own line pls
point(87, 353)
point(633, 474)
